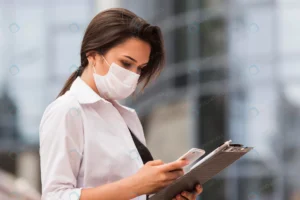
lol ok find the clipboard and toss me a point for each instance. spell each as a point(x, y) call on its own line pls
point(203, 170)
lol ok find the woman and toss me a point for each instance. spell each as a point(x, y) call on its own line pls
point(91, 146)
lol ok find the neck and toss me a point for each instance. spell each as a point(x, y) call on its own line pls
point(88, 78)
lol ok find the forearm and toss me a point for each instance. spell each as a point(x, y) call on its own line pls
point(124, 189)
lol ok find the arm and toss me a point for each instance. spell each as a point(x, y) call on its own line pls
point(119, 190)
point(61, 149)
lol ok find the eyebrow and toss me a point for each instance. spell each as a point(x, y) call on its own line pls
point(134, 60)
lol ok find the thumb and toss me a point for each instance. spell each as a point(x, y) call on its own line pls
point(155, 162)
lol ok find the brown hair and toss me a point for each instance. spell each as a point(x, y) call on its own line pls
point(112, 27)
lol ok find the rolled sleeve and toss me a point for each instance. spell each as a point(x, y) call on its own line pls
point(61, 150)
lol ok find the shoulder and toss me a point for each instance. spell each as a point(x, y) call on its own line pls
point(63, 107)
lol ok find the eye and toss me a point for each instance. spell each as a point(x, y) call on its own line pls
point(125, 64)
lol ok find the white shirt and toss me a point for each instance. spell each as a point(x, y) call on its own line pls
point(85, 142)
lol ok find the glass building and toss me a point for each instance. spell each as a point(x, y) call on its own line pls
point(39, 48)
point(231, 74)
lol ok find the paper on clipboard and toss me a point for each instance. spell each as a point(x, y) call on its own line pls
point(203, 170)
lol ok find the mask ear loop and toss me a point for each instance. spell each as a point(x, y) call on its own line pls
point(94, 68)
point(105, 60)
point(93, 65)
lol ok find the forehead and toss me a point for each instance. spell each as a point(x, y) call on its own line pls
point(135, 48)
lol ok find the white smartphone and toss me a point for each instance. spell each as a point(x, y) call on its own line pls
point(192, 155)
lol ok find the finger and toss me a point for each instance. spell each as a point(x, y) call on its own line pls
point(179, 197)
point(176, 165)
point(174, 174)
point(199, 189)
point(188, 195)
point(155, 162)
point(173, 165)
point(175, 198)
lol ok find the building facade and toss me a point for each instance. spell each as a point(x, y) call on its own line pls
point(231, 74)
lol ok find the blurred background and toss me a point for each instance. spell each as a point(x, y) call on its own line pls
point(231, 73)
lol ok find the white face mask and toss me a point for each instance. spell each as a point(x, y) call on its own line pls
point(117, 84)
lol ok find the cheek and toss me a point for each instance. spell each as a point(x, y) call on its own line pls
point(105, 71)
point(102, 69)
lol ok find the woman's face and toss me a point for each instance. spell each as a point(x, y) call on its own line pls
point(133, 55)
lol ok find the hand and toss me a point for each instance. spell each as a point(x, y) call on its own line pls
point(189, 195)
point(155, 175)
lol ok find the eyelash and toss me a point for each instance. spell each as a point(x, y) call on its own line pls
point(126, 64)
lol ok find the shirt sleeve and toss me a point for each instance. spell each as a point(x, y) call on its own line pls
point(61, 149)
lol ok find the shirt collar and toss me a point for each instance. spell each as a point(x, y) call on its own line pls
point(86, 95)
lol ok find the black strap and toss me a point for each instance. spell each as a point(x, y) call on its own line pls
point(143, 151)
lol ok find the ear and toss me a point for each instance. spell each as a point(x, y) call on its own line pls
point(91, 56)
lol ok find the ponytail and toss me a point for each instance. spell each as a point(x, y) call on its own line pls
point(69, 82)
point(74, 75)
